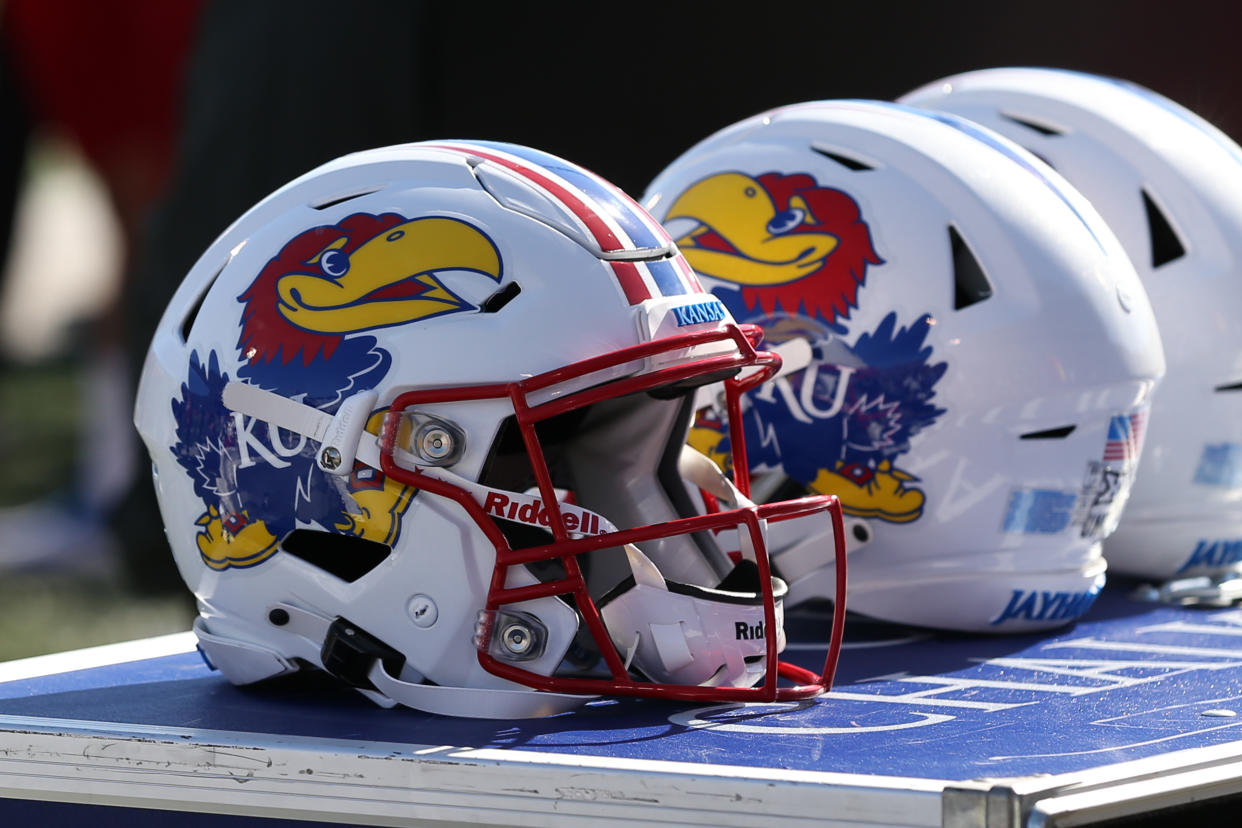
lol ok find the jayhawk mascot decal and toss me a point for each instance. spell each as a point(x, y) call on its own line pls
point(303, 327)
point(793, 256)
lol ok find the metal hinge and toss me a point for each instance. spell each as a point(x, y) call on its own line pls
point(1223, 590)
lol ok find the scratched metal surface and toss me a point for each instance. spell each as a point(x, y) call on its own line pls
point(1131, 681)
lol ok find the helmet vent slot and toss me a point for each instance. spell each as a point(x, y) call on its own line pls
point(1042, 129)
point(1040, 157)
point(500, 298)
point(1049, 434)
point(323, 205)
point(1230, 386)
point(345, 556)
point(970, 283)
point(1165, 244)
point(187, 324)
point(846, 161)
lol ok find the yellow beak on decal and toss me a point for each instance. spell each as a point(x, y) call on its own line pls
point(391, 279)
point(739, 210)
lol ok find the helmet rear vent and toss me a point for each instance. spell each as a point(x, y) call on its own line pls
point(187, 324)
point(970, 283)
point(323, 205)
point(1165, 245)
point(1042, 129)
point(844, 160)
point(1230, 386)
point(1040, 157)
point(1049, 434)
point(345, 556)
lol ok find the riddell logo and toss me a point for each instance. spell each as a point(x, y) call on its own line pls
point(748, 632)
point(532, 513)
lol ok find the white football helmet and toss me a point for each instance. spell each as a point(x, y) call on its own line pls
point(1169, 184)
point(971, 341)
point(400, 406)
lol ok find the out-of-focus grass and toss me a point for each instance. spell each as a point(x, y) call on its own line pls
point(40, 408)
point(49, 612)
point(55, 609)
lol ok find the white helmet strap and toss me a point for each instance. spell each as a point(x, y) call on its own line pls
point(243, 662)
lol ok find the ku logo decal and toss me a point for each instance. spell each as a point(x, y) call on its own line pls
point(792, 256)
point(302, 325)
point(781, 240)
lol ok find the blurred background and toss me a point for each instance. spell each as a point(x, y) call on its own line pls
point(132, 132)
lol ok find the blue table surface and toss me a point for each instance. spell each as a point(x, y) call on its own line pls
point(1130, 681)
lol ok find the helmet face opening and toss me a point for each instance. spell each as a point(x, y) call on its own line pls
point(731, 631)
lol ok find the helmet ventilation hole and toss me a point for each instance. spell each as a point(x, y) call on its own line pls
point(1042, 129)
point(323, 205)
point(1040, 157)
point(846, 161)
point(1165, 245)
point(187, 324)
point(970, 283)
point(1049, 434)
point(500, 298)
point(345, 556)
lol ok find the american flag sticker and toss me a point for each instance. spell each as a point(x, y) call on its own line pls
point(1107, 484)
point(1125, 437)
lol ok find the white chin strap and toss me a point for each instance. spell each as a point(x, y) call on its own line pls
point(697, 469)
point(243, 662)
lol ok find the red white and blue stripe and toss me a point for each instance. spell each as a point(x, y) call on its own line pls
point(609, 216)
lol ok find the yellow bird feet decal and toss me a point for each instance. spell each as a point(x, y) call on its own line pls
point(233, 540)
point(876, 493)
point(380, 501)
point(379, 513)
